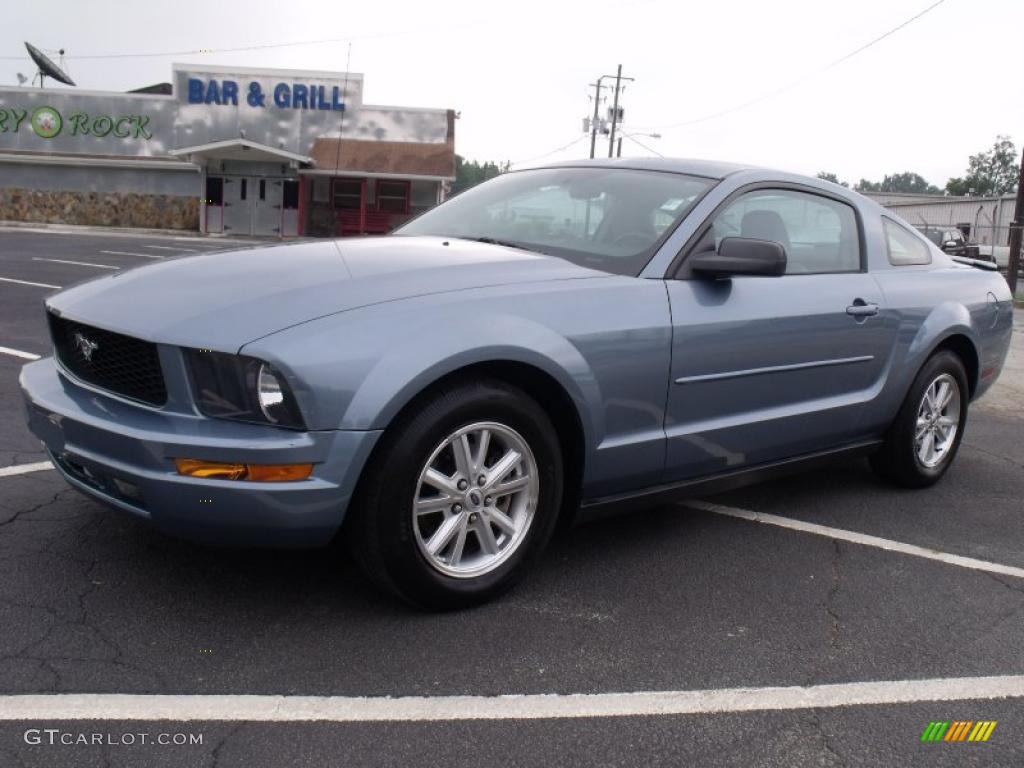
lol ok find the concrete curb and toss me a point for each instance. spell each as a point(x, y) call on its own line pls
point(79, 229)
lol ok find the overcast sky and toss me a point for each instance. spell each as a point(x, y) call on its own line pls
point(921, 100)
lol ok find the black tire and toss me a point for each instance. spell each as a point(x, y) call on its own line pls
point(380, 530)
point(898, 461)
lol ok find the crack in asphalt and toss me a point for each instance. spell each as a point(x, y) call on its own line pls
point(959, 643)
point(833, 591)
point(834, 621)
point(1014, 587)
point(993, 454)
point(110, 650)
point(21, 513)
point(18, 456)
point(825, 741)
point(215, 753)
point(47, 666)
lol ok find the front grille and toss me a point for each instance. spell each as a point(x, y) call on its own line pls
point(108, 360)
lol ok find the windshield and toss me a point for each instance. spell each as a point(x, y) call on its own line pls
point(611, 219)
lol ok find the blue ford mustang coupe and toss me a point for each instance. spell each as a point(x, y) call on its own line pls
point(557, 339)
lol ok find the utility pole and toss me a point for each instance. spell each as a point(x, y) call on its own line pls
point(594, 122)
point(1013, 269)
point(615, 110)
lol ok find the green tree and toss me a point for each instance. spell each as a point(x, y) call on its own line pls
point(993, 172)
point(827, 176)
point(906, 182)
point(470, 173)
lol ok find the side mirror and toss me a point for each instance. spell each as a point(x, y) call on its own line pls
point(741, 256)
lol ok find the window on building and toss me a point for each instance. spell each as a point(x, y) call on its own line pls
point(818, 233)
point(214, 190)
point(244, 190)
point(905, 248)
point(290, 198)
point(348, 193)
point(422, 195)
point(393, 196)
point(263, 189)
point(321, 188)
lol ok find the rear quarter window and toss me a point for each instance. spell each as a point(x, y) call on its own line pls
point(905, 248)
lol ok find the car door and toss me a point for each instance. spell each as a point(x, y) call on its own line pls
point(766, 368)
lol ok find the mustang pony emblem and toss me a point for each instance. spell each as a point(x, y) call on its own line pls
point(85, 346)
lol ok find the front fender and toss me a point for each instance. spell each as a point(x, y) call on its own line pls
point(356, 371)
point(606, 341)
point(415, 362)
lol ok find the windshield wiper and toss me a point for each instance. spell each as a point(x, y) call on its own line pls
point(506, 243)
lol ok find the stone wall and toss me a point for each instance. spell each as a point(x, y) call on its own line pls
point(108, 209)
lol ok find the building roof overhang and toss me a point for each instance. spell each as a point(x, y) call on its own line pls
point(138, 162)
point(239, 149)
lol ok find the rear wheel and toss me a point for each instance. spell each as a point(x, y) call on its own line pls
point(462, 494)
point(924, 438)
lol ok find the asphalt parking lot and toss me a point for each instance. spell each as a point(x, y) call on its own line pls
point(686, 598)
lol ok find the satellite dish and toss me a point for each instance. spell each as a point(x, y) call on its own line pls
point(46, 67)
point(21, 78)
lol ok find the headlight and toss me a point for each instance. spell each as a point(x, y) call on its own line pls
point(270, 393)
point(242, 388)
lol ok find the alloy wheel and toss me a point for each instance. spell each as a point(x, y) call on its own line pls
point(475, 499)
point(938, 419)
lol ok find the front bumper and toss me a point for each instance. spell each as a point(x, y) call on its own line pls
point(123, 454)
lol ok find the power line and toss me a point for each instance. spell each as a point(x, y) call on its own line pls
point(805, 78)
point(479, 21)
point(575, 141)
point(194, 51)
point(341, 123)
point(641, 144)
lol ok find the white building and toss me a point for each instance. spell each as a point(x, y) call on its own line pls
point(984, 220)
point(223, 150)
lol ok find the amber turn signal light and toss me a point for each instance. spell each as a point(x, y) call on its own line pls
point(224, 470)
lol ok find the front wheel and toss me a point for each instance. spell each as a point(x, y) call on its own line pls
point(462, 494)
point(926, 434)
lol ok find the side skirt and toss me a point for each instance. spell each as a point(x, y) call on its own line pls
point(606, 506)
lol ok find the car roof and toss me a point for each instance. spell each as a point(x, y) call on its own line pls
point(711, 169)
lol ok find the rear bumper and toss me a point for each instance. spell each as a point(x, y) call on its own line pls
point(124, 454)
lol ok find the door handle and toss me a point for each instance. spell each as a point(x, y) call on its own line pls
point(861, 308)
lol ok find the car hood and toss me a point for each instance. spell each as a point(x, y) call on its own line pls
point(224, 300)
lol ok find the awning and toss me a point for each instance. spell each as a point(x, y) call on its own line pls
point(384, 158)
point(239, 149)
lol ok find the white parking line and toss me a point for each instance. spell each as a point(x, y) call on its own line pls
point(215, 242)
point(170, 248)
point(76, 263)
point(27, 282)
point(18, 353)
point(24, 469)
point(128, 253)
point(859, 538)
point(359, 709)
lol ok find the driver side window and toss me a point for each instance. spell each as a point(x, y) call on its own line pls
point(819, 234)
